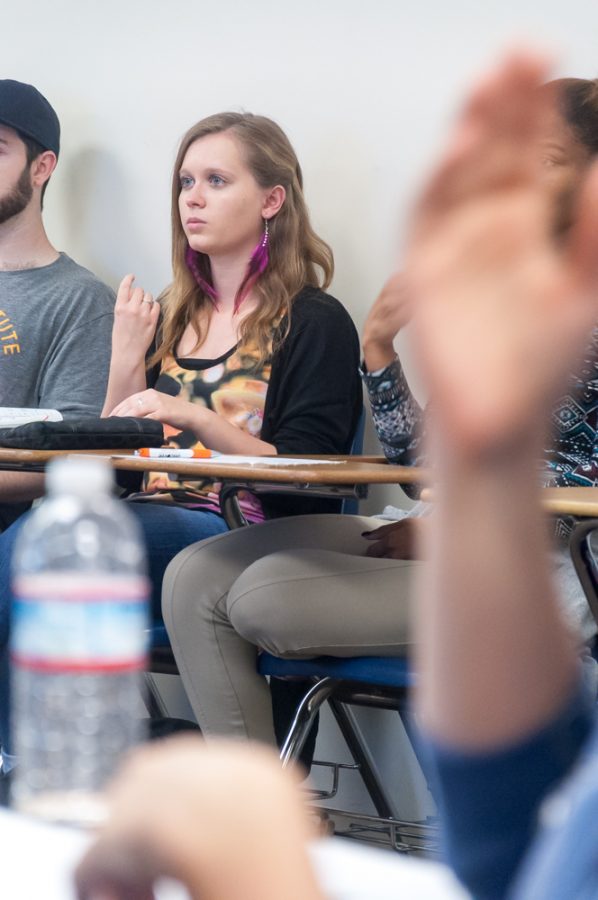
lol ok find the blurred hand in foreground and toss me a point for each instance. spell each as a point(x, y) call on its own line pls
point(500, 307)
point(223, 818)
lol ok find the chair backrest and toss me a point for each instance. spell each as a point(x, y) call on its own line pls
point(350, 506)
point(583, 546)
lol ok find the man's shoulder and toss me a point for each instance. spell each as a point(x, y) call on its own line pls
point(80, 280)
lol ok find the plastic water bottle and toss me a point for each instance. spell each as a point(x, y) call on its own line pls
point(78, 644)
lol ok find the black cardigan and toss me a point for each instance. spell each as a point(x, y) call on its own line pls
point(314, 398)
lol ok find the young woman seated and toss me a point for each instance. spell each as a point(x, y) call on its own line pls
point(318, 585)
point(250, 354)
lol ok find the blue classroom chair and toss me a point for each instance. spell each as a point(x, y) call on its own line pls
point(380, 682)
point(371, 681)
point(583, 546)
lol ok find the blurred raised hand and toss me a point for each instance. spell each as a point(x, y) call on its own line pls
point(390, 313)
point(222, 818)
point(500, 307)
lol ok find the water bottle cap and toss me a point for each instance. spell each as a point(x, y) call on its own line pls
point(78, 475)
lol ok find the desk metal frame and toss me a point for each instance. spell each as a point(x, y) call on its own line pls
point(347, 476)
point(353, 475)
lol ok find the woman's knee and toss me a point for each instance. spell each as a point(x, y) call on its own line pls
point(197, 580)
point(181, 583)
point(263, 603)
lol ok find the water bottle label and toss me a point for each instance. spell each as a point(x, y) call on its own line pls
point(67, 622)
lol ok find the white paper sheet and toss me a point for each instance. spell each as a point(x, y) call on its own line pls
point(38, 861)
point(348, 870)
point(11, 416)
point(233, 460)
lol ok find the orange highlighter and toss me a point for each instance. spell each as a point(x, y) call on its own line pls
point(174, 453)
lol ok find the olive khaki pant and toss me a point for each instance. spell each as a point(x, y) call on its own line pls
point(296, 587)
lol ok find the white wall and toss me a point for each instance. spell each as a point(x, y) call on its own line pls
point(364, 90)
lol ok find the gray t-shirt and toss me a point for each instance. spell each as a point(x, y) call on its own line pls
point(55, 341)
point(55, 337)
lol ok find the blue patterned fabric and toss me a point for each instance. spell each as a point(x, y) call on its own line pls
point(397, 416)
point(570, 460)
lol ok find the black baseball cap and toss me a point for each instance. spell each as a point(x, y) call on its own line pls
point(23, 108)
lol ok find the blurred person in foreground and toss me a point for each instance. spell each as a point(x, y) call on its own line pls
point(504, 309)
point(501, 314)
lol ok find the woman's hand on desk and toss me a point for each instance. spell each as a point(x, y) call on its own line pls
point(223, 818)
point(397, 540)
point(208, 426)
point(151, 404)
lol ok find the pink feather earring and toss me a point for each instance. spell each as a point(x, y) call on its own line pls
point(258, 263)
point(191, 260)
point(260, 256)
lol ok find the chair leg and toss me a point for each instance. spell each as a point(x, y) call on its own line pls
point(287, 695)
point(361, 756)
point(306, 712)
point(153, 700)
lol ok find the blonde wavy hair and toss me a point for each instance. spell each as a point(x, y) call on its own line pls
point(296, 253)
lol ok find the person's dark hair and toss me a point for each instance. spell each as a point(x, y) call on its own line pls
point(33, 149)
point(578, 99)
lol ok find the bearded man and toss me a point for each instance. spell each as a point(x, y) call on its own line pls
point(55, 316)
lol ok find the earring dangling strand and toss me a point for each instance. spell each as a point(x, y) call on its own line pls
point(257, 265)
point(207, 288)
point(260, 256)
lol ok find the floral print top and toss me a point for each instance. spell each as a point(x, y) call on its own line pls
point(232, 386)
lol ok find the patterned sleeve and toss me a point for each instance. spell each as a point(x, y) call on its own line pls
point(397, 416)
point(570, 458)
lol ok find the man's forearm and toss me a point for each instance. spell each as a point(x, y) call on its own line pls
point(20, 487)
point(498, 661)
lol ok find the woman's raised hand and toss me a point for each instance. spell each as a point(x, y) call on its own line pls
point(500, 308)
point(389, 314)
point(136, 316)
